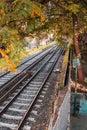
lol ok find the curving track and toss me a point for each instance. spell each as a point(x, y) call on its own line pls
point(26, 59)
point(7, 76)
point(22, 78)
point(15, 110)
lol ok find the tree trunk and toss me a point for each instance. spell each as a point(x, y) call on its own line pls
point(75, 38)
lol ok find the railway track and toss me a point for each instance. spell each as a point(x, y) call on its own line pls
point(21, 79)
point(15, 110)
point(26, 60)
point(30, 61)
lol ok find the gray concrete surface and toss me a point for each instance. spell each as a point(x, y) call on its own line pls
point(78, 122)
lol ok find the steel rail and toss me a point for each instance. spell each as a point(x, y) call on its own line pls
point(14, 98)
point(33, 101)
point(16, 84)
point(38, 92)
point(26, 61)
point(3, 87)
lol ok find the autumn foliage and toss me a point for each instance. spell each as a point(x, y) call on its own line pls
point(19, 18)
point(14, 20)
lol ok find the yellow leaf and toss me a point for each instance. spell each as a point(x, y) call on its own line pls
point(4, 69)
point(15, 36)
point(2, 11)
point(12, 67)
point(32, 14)
point(42, 18)
point(7, 50)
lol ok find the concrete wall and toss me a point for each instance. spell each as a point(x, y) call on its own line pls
point(62, 119)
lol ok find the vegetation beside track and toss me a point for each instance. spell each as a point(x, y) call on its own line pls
point(33, 50)
point(64, 66)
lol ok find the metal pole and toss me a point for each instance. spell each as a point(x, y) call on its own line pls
point(76, 80)
point(75, 90)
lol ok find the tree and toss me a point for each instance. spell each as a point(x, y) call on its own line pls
point(71, 19)
point(15, 19)
point(26, 17)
